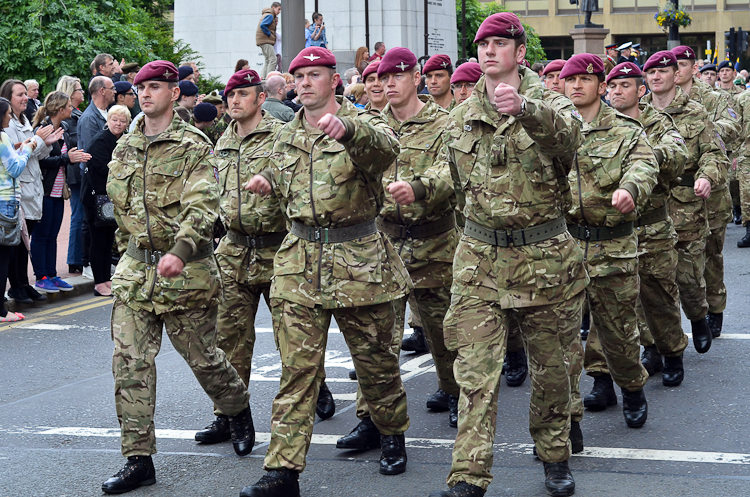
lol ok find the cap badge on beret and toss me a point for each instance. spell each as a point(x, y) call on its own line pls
point(249, 77)
point(403, 66)
point(444, 64)
point(626, 69)
point(512, 30)
point(167, 74)
point(311, 57)
point(664, 61)
point(590, 69)
point(687, 53)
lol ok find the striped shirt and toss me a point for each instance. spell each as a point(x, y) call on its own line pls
point(57, 187)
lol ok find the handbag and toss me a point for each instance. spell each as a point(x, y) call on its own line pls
point(10, 227)
point(105, 212)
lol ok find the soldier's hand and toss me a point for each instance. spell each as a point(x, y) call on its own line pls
point(170, 266)
point(734, 164)
point(507, 99)
point(258, 185)
point(402, 192)
point(623, 201)
point(332, 126)
point(702, 188)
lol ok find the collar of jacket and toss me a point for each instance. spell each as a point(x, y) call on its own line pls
point(429, 113)
point(175, 132)
point(294, 132)
point(604, 120)
point(649, 115)
point(232, 141)
point(479, 108)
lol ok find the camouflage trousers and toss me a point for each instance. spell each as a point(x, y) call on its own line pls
point(691, 265)
point(743, 176)
point(431, 306)
point(716, 290)
point(235, 325)
point(414, 320)
point(613, 301)
point(477, 330)
point(301, 334)
point(137, 337)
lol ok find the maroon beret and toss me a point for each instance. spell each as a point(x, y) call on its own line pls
point(439, 61)
point(684, 52)
point(555, 65)
point(397, 59)
point(502, 24)
point(372, 67)
point(313, 56)
point(157, 70)
point(242, 79)
point(468, 71)
point(582, 63)
point(663, 58)
point(624, 70)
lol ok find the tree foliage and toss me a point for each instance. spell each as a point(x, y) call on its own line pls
point(45, 39)
point(477, 12)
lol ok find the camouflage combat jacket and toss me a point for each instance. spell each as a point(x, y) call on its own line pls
point(218, 128)
point(428, 260)
point(743, 107)
point(166, 199)
point(326, 183)
point(615, 154)
point(505, 178)
point(238, 160)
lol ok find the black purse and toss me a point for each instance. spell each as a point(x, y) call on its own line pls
point(10, 227)
point(105, 212)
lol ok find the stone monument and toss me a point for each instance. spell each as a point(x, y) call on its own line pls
point(588, 37)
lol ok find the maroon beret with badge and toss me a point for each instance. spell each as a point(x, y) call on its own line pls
point(371, 68)
point(624, 70)
point(468, 71)
point(582, 63)
point(663, 58)
point(242, 79)
point(313, 56)
point(397, 59)
point(502, 24)
point(684, 52)
point(157, 70)
point(555, 65)
point(439, 61)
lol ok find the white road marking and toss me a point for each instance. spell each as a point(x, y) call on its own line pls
point(687, 456)
point(46, 326)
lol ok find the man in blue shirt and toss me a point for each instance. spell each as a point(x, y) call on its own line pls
point(315, 36)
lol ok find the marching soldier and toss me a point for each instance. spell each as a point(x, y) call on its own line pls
point(437, 71)
point(743, 164)
point(326, 169)
point(551, 75)
point(516, 259)
point(161, 182)
point(464, 79)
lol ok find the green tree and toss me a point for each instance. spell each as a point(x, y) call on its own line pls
point(477, 12)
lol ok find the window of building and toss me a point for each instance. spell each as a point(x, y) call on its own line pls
point(699, 4)
point(635, 6)
point(738, 5)
point(564, 8)
point(557, 47)
point(528, 7)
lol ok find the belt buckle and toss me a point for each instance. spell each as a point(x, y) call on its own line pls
point(250, 241)
point(406, 231)
point(587, 233)
point(152, 256)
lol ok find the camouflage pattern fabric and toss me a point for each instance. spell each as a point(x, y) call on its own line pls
point(716, 290)
point(185, 114)
point(743, 156)
point(137, 336)
point(477, 330)
point(414, 320)
point(720, 111)
point(301, 334)
point(217, 129)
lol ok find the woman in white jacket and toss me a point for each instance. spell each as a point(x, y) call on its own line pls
point(30, 182)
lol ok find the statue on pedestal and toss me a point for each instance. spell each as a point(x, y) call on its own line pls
point(588, 7)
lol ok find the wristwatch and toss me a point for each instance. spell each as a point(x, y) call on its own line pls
point(523, 108)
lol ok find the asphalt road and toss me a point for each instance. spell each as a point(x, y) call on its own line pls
point(59, 433)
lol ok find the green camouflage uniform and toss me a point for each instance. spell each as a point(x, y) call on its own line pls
point(505, 178)
point(245, 271)
point(732, 180)
point(326, 183)
point(707, 160)
point(658, 305)
point(743, 155)
point(217, 129)
point(165, 198)
point(616, 154)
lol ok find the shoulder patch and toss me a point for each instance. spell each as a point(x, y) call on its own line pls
point(732, 113)
point(721, 142)
point(576, 115)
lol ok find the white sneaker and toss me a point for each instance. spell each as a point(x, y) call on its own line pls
point(87, 273)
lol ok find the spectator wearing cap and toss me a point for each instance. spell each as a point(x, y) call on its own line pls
point(129, 71)
point(611, 61)
point(709, 74)
point(624, 53)
point(124, 95)
point(265, 37)
point(464, 79)
point(187, 100)
point(376, 98)
point(275, 89)
point(551, 76)
point(379, 51)
point(438, 70)
point(186, 73)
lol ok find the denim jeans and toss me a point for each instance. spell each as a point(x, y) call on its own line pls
point(9, 208)
point(75, 241)
point(44, 238)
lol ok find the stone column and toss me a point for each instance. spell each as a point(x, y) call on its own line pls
point(589, 40)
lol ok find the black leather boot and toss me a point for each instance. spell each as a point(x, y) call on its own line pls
point(741, 243)
point(416, 342)
point(392, 454)
point(275, 483)
point(438, 401)
point(453, 411)
point(326, 407)
point(651, 360)
point(673, 373)
point(518, 368)
point(138, 471)
point(576, 437)
point(634, 408)
point(558, 479)
point(701, 335)
point(737, 214)
point(715, 321)
point(585, 326)
point(460, 489)
point(218, 431)
point(352, 374)
point(243, 432)
point(602, 395)
point(364, 436)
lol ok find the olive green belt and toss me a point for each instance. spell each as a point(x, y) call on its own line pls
point(594, 234)
point(652, 217)
point(333, 235)
point(687, 180)
point(258, 242)
point(517, 238)
point(153, 256)
point(425, 230)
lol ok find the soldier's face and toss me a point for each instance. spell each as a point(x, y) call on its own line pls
point(244, 103)
point(401, 87)
point(726, 75)
point(499, 56)
point(661, 79)
point(189, 102)
point(709, 77)
point(438, 82)
point(462, 91)
point(156, 97)
point(553, 82)
point(375, 91)
point(624, 93)
point(684, 71)
point(584, 90)
point(315, 86)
